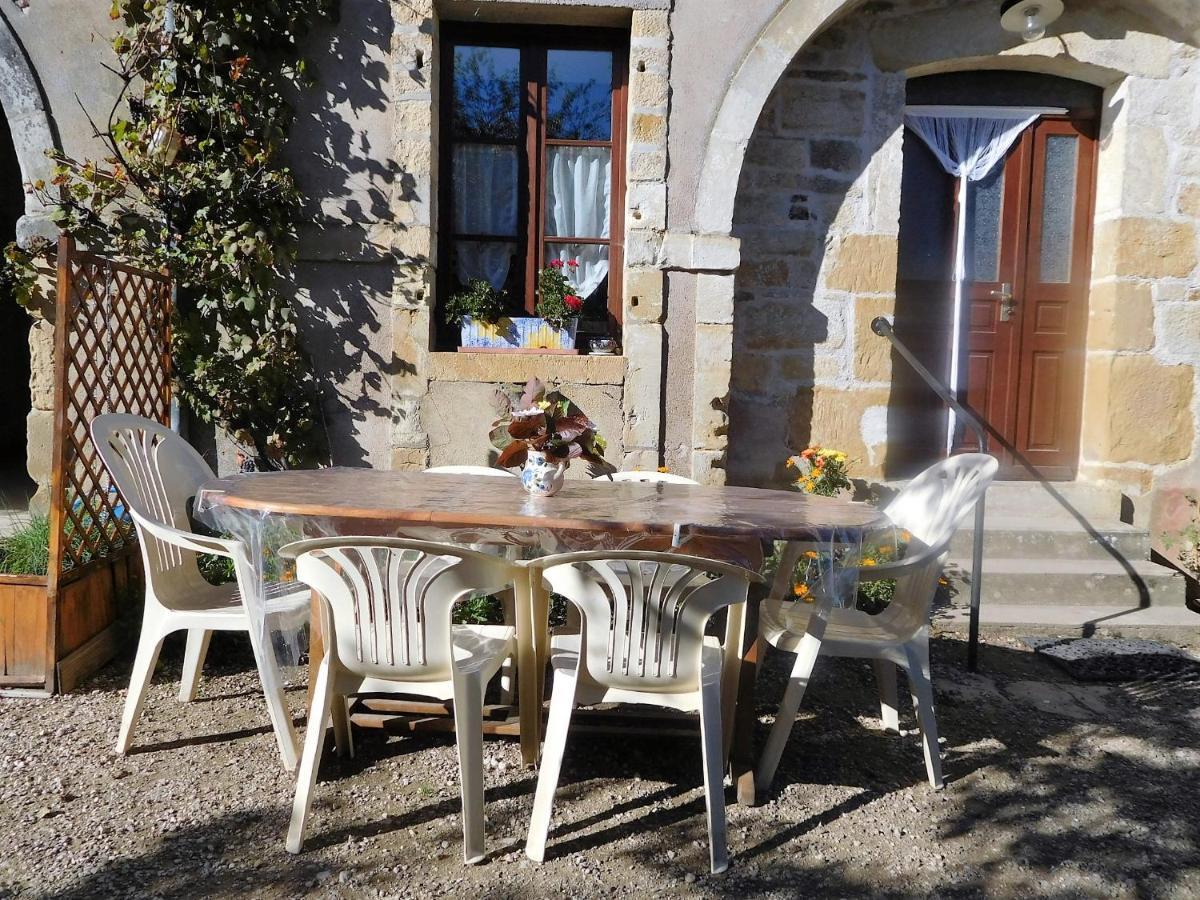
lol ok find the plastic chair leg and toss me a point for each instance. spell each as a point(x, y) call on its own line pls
point(508, 668)
point(149, 645)
point(714, 776)
point(343, 736)
point(277, 708)
point(314, 742)
point(885, 676)
point(921, 687)
point(562, 703)
point(468, 727)
point(806, 658)
point(193, 662)
point(731, 671)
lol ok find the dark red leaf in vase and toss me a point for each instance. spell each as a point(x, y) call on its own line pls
point(570, 427)
point(513, 455)
point(526, 427)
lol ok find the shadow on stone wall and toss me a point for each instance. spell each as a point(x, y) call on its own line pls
point(797, 190)
point(340, 146)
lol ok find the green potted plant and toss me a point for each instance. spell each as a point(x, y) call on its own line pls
point(558, 308)
point(478, 310)
point(541, 433)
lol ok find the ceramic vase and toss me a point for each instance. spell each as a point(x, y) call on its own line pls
point(542, 476)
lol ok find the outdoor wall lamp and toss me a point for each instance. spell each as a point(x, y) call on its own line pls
point(1029, 18)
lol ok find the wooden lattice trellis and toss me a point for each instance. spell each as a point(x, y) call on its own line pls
point(112, 354)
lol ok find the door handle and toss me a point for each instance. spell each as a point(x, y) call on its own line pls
point(1008, 303)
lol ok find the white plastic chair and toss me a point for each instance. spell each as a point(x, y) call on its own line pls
point(386, 605)
point(508, 672)
point(486, 471)
point(646, 477)
point(157, 473)
point(643, 641)
point(931, 507)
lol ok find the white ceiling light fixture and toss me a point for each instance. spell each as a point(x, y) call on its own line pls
point(1029, 18)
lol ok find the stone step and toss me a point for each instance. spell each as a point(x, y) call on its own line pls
point(1030, 537)
point(1162, 623)
point(1059, 500)
point(1059, 582)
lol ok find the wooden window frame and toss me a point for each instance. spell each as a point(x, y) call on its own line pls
point(532, 144)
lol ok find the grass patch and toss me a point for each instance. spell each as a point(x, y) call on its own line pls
point(27, 550)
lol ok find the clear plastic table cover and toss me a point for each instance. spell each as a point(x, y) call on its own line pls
point(825, 567)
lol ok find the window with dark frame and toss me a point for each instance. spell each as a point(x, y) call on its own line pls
point(532, 163)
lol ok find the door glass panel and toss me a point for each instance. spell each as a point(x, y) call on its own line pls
point(578, 187)
point(1058, 207)
point(487, 93)
point(485, 189)
point(985, 206)
point(579, 84)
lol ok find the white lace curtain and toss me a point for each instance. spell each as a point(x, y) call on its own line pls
point(578, 198)
point(485, 202)
point(969, 142)
point(578, 192)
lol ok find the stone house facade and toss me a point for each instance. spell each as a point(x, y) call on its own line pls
point(760, 188)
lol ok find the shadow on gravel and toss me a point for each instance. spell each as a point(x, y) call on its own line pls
point(1101, 779)
point(1055, 788)
point(197, 740)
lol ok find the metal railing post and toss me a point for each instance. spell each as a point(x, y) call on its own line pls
point(882, 327)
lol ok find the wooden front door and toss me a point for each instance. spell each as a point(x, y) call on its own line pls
point(1025, 299)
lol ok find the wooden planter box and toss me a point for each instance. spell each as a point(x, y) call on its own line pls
point(50, 643)
point(57, 630)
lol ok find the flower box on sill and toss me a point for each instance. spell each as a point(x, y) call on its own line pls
point(523, 334)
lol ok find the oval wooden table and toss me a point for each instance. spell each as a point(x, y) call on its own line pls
point(723, 522)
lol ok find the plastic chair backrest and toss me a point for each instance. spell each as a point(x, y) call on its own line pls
point(157, 473)
point(644, 613)
point(391, 600)
point(470, 470)
point(646, 477)
point(934, 504)
point(931, 507)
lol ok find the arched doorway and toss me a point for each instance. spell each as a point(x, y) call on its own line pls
point(16, 487)
point(1017, 346)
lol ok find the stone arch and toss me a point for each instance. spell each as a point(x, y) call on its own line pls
point(25, 111)
point(793, 26)
point(29, 125)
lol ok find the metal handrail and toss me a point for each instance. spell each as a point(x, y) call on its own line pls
point(882, 327)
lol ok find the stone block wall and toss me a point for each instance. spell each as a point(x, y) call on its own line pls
point(817, 215)
point(1142, 400)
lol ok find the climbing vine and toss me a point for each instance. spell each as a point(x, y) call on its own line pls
point(194, 182)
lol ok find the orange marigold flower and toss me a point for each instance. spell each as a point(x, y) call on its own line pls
point(801, 589)
point(869, 561)
point(810, 554)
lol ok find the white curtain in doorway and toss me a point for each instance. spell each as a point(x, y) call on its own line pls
point(969, 142)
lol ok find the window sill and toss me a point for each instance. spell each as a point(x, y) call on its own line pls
point(503, 368)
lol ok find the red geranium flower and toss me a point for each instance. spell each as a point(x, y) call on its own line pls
point(573, 263)
point(573, 302)
point(556, 264)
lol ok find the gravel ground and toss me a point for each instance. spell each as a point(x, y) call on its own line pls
point(1055, 788)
